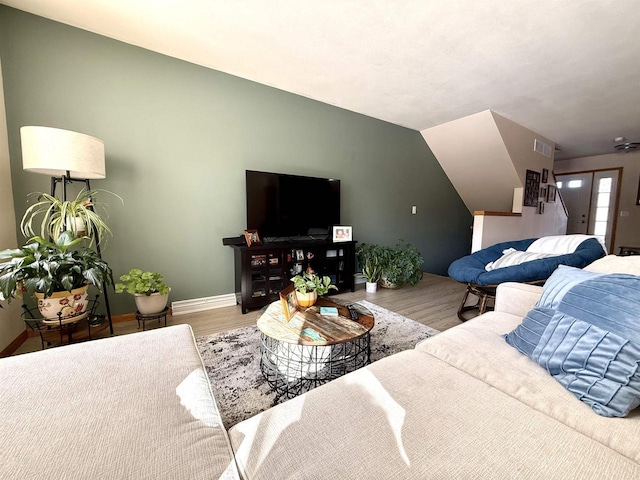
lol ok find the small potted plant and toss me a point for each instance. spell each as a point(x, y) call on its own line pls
point(58, 274)
point(148, 289)
point(77, 216)
point(308, 286)
point(371, 272)
point(369, 259)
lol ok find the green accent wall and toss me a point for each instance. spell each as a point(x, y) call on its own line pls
point(179, 137)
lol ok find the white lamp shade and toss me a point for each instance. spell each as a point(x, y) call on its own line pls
point(55, 152)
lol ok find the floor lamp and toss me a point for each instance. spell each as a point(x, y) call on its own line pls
point(68, 157)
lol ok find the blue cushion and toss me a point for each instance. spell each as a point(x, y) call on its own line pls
point(560, 282)
point(611, 302)
point(470, 269)
point(599, 367)
point(526, 336)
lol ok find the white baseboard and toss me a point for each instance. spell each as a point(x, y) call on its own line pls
point(200, 304)
point(358, 279)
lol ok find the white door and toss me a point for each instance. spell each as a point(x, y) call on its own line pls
point(576, 193)
point(590, 199)
point(603, 205)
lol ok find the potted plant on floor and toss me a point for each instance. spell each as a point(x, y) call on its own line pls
point(148, 289)
point(77, 216)
point(401, 265)
point(308, 286)
point(393, 266)
point(369, 260)
point(57, 273)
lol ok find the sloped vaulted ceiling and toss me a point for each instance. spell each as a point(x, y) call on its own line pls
point(567, 70)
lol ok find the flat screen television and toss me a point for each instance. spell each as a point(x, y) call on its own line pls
point(280, 205)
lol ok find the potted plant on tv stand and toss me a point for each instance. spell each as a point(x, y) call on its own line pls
point(148, 289)
point(308, 286)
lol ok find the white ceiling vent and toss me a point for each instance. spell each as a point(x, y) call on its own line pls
point(542, 148)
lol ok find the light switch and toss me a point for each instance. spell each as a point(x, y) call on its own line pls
point(624, 213)
point(414, 210)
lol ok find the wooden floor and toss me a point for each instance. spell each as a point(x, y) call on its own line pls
point(433, 302)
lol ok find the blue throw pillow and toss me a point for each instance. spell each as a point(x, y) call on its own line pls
point(599, 367)
point(560, 282)
point(525, 337)
point(611, 302)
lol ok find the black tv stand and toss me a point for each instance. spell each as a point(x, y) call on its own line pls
point(296, 239)
point(261, 271)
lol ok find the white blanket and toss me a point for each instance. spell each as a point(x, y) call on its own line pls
point(559, 244)
point(543, 247)
point(511, 256)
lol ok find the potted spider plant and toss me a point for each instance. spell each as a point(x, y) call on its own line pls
point(78, 216)
point(57, 273)
point(148, 289)
point(308, 286)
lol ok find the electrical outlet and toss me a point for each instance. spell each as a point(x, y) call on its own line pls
point(624, 213)
point(414, 210)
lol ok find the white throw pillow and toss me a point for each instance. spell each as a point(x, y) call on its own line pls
point(615, 264)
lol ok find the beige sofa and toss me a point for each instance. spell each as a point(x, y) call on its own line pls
point(131, 407)
point(462, 404)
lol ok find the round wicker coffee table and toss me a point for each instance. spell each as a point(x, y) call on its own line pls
point(311, 349)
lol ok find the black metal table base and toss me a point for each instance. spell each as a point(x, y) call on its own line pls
point(292, 369)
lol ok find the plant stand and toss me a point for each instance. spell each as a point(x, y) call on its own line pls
point(65, 180)
point(53, 333)
point(141, 317)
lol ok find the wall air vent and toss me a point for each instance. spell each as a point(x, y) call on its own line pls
point(627, 147)
point(542, 148)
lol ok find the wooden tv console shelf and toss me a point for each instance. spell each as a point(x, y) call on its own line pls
point(262, 271)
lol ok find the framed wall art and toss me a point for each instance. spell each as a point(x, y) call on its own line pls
point(551, 193)
point(545, 175)
point(531, 188)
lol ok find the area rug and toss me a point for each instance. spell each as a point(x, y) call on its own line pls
point(232, 361)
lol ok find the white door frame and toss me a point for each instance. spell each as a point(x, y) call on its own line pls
point(614, 220)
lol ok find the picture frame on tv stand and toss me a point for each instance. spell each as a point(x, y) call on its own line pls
point(342, 233)
point(252, 237)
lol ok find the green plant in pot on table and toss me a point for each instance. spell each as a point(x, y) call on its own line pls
point(148, 289)
point(57, 273)
point(308, 286)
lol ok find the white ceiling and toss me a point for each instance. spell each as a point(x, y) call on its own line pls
point(568, 70)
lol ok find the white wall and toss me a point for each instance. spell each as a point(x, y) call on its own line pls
point(473, 154)
point(489, 229)
point(627, 227)
point(11, 325)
